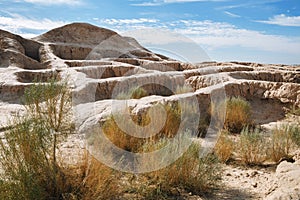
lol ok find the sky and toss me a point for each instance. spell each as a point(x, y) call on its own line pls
point(265, 31)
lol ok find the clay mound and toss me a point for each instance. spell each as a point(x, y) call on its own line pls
point(77, 33)
point(81, 41)
point(105, 57)
point(15, 44)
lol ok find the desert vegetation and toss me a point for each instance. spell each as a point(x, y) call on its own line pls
point(183, 89)
point(189, 173)
point(34, 169)
point(238, 115)
point(133, 93)
point(29, 151)
point(253, 146)
point(295, 110)
point(224, 146)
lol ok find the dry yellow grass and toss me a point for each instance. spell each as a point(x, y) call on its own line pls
point(224, 147)
point(238, 115)
point(281, 143)
point(252, 147)
point(134, 144)
point(190, 172)
point(99, 181)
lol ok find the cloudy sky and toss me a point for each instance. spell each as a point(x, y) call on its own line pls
point(265, 31)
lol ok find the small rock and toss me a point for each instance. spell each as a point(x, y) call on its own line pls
point(254, 173)
point(174, 191)
point(254, 185)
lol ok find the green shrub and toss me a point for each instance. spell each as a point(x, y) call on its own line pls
point(28, 152)
point(192, 173)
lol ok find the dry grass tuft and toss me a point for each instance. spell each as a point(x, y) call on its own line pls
point(224, 147)
point(282, 142)
point(183, 89)
point(190, 173)
point(296, 134)
point(252, 146)
point(120, 138)
point(133, 93)
point(99, 181)
point(295, 110)
point(238, 115)
point(134, 144)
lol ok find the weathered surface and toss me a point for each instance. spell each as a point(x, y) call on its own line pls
point(288, 182)
point(101, 64)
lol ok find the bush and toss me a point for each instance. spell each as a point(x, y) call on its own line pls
point(28, 152)
point(183, 89)
point(224, 147)
point(133, 93)
point(119, 137)
point(99, 181)
point(189, 172)
point(252, 146)
point(295, 110)
point(192, 173)
point(238, 115)
point(296, 134)
point(282, 142)
point(130, 143)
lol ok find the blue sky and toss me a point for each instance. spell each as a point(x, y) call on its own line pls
point(266, 31)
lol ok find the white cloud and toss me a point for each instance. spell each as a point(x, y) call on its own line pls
point(157, 36)
point(27, 27)
point(232, 14)
point(247, 4)
point(128, 21)
point(283, 20)
point(53, 2)
point(146, 4)
point(161, 2)
point(212, 35)
point(217, 35)
point(180, 1)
